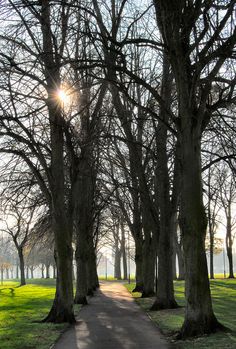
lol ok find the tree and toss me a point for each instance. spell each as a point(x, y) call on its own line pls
point(227, 199)
point(191, 48)
point(19, 230)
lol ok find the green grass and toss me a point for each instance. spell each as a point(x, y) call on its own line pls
point(20, 308)
point(170, 321)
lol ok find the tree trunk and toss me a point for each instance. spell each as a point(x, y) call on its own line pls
point(148, 264)
point(229, 243)
point(139, 265)
point(42, 270)
point(165, 289)
point(62, 308)
point(22, 267)
point(17, 271)
point(199, 316)
point(174, 270)
point(230, 260)
point(81, 279)
point(123, 251)
point(211, 252)
point(117, 266)
point(92, 277)
point(93, 282)
point(47, 270)
point(27, 272)
point(32, 272)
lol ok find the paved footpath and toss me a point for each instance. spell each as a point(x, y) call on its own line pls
point(112, 320)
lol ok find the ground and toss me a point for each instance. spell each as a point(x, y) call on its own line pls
point(21, 307)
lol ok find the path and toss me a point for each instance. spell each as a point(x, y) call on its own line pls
point(112, 321)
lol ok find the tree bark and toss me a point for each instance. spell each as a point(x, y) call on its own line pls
point(32, 272)
point(148, 255)
point(17, 271)
point(47, 270)
point(22, 266)
point(81, 280)
point(199, 316)
point(229, 243)
point(174, 270)
point(92, 277)
point(139, 265)
point(117, 266)
point(42, 270)
point(123, 250)
point(211, 252)
point(165, 291)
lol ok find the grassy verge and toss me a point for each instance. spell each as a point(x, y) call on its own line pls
point(170, 321)
point(20, 308)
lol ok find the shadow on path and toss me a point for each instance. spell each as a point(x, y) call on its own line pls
point(112, 321)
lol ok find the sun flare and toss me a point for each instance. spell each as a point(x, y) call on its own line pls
point(63, 96)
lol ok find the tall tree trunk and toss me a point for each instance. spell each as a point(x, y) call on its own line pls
point(123, 250)
point(174, 270)
point(92, 275)
point(139, 264)
point(47, 270)
point(42, 270)
point(199, 316)
point(165, 290)
point(211, 252)
point(22, 266)
point(229, 243)
point(148, 255)
point(17, 271)
point(117, 266)
point(81, 279)
point(62, 308)
point(32, 272)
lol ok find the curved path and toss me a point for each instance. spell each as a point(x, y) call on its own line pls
point(112, 321)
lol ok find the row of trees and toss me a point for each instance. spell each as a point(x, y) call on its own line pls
point(149, 109)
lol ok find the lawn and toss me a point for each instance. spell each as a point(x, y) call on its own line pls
point(20, 308)
point(170, 321)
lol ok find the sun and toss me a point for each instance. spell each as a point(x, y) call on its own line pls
point(63, 96)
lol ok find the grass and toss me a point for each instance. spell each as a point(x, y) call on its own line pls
point(20, 308)
point(224, 304)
